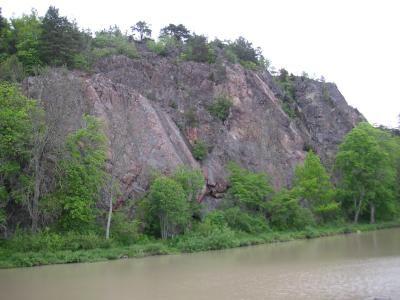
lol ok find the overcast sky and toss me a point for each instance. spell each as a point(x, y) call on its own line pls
point(355, 44)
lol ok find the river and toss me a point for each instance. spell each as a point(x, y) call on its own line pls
point(355, 266)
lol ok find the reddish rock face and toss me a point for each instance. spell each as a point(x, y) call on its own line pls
point(155, 108)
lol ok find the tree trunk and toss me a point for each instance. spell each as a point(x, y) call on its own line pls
point(35, 200)
point(372, 207)
point(110, 209)
point(357, 212)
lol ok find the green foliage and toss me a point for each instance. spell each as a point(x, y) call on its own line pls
point(191, 118)
point(191, 181)
point(60, 39)
point(200, 150)
point(163, 46)
point(366, 173)
point(178, 32)
point(124, 231)
point(167, 202)
point(231, 56)
point(239, 220)
point(248, 190)
point(12, 70)
point(312, 184)
point(198, 49)
point(52, 241)
point(285, 212)
point(82, 175)
point(27, 31)
point(112, 42)
point(15, 143)
point(241, 50)
point(142, 29)
point(213, 233)
point(220, 108)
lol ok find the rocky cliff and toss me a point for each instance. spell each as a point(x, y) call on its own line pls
point(155, 109)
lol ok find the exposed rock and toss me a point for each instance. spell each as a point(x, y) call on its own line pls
point(158, 108)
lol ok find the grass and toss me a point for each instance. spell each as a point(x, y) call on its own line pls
point(10, 258)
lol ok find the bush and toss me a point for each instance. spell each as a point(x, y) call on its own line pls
point(248, 190)
point(285, 212)
point(191, 118)
point(249, 65)
point(198, 49)
point(123, 230)
point(242, 221)
point(200, 150)
point(107, 43)
point(231, 56)
point(211, 234)
point(163, 46)
point(50, 241)
point(156, 47)
point(12, 70)
point(220, 108)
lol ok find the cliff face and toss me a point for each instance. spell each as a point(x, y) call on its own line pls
point(155, 108)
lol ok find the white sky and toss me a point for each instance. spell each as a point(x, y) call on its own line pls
point(355, 44)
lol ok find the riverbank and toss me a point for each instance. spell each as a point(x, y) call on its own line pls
point(184, 244)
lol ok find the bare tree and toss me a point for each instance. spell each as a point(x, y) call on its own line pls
point(61, 98)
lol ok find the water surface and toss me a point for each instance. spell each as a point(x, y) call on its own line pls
point(356, 266)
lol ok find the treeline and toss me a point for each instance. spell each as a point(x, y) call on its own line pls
point(28, 43)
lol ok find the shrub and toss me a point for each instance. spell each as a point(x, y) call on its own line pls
point(123, 230)
point(200, 150)
point(242, 221)
point(285, 212)
point(248, 190)
point(163, 46)
point(110, 43)
point(51, 241)
point(211, 234)
point(249, 65)
point(191, 118)
point(12, 70)
point(198, 49)
point(231, 56)
point(220, 108)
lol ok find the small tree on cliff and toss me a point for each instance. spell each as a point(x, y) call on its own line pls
point(179, 32)
point(142, 29)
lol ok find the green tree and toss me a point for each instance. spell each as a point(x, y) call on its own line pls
point(198, 49)
point(365, 171)
point(285, 212)
point(11, 69)
point(7, 44)
point(247, 189)
point(167, 202)
point(179, 32)
point(60, 40)
point(15, 143)
point(82, 175)
point(142, 29)
point(312, 184)
point(111, 42)
point(26, 34)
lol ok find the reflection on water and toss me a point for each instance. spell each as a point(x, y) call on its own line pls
point(357, 266)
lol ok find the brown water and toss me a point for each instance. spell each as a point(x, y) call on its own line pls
point(356, 266)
